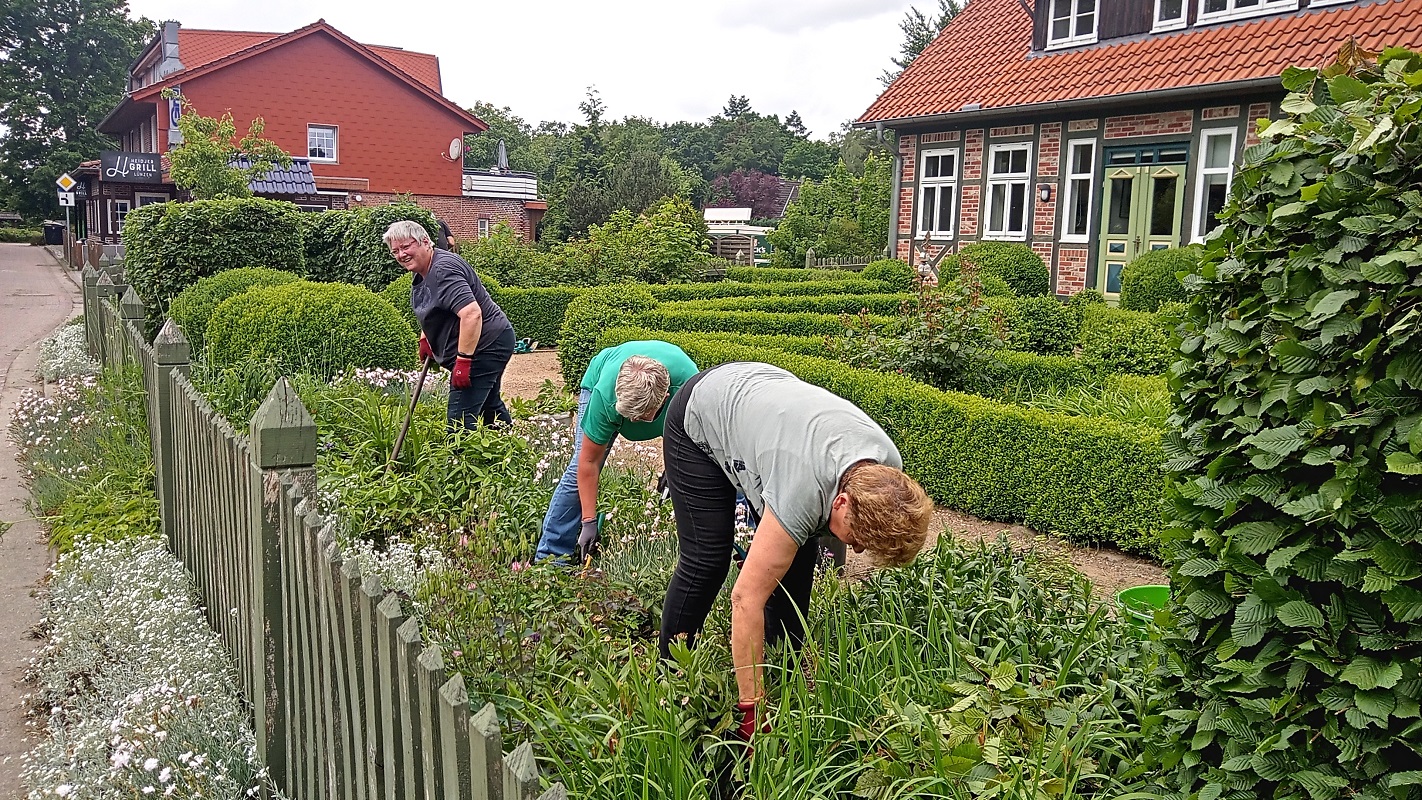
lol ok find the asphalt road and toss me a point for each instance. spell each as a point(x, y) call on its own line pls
point(36, 296)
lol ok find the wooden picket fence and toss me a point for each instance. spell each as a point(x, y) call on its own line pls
point(346, 699)
point(852, 263)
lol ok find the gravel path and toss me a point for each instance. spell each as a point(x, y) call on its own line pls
point(36, 296)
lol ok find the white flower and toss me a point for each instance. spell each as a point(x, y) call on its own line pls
point(151, 764)
point(64, 789)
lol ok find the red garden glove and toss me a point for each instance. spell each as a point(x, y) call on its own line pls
point(750, 720)
point(426, 353)
point(459, 378)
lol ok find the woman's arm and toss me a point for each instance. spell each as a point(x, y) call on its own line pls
point(471, 324)
point(772, 551)
point(590, 456)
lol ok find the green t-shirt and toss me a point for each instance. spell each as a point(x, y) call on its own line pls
point(602, 423)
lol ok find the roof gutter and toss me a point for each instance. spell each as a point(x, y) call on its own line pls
point(1084, 104)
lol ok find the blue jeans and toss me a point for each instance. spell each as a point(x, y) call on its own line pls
point(564, 520)
point(481, 400)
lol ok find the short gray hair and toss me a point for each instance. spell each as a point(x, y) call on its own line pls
point(405, 230)
point(642, 386)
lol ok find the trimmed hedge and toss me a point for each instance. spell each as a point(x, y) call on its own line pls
point(673, 292)
point(1089, 479)
point(1117, 340)
point(21, 236)
point(193, 307)
point(1013, 371)
point(805, 345)
point(1017, 264)
point(310, 327)
point(170, 246)
point(893, 272)
point(537, 313)
point(346, 246)
point(1150, 279)
point(787, 274)
point(591, 313)
point(1040, 325)
point(752, 322)
point(886, 304)
point(397, 294)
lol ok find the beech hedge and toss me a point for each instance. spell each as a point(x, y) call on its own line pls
point(170, 246)
point(346, 246)
point(1091, 480)
point(537, 313)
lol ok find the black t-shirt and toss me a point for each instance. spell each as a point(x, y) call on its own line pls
point(444, 236)
point(437, 299)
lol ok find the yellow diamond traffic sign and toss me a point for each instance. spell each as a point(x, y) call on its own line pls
point(65, 182)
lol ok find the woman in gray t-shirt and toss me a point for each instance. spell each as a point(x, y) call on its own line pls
point(808, 462)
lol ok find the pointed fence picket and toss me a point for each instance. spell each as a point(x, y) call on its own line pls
point(346, 698)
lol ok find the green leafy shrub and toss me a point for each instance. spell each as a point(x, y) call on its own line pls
point(787, 274)
point(1151, 277)
point(1089, 479)
point(310, 327)
point(664, 244)
point(752, 322)
point(504, 255)
point(1013, 374)
point(1082, 300)
point(1116, 340)
point(21, 236)
point(323, 235)
point(705, 291)
point(170, 246)
point(363, 257)
point(193, 306)
point(1037, 324)
point(537, 313)
point(588, 316)
point(884, 304)
point(397, 294)
point(1021, 268)
point(892, 272)
point(1295, 653)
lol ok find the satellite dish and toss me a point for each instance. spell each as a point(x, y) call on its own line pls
point(456, 148)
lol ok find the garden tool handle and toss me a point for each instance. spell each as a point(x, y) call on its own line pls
point(414, 400)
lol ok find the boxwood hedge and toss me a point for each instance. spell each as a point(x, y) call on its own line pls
point(672, 292)
point(1017, 264)
point(886, 304)
point(754, 322)
point(1089, 479)
point(787, 274)
point(1117, 340)
point(170, 246)
point(892, 272)
point(310, 327)
point(537, 313)
point(193, 306)
point(1152, 277)
point(397, 294)
point(1037, 324)
point(589, 314)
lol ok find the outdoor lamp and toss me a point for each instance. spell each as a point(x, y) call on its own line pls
point(1044, 191)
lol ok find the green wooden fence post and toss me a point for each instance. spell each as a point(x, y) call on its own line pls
point(171, 352)
point(454, 739)
point(486, 754)
point(283, 444)
point(521, 774)
point(91, 311)
point(103, 290)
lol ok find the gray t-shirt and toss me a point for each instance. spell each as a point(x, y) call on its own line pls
point(783, 442)
point(437, 299)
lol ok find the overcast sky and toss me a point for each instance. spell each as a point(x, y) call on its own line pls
point(669, 60)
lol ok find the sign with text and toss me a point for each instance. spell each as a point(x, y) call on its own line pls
point(121, 167)
point(175, 110)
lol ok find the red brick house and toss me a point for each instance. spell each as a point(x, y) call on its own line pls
point(364, 123)
point(1093, 130)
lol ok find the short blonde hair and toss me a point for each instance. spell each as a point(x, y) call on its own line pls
point(642, 386)
point(888, 513)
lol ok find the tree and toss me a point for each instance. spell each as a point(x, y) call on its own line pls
point(809, 159)
point(747, 188)
point(842, 215)
point(736, 107)
point(210, 164)
point(481, 150)
point(63, 66)
point(919, 31)
point(796, 126)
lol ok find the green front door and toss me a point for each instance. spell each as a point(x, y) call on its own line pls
point(1142, 211)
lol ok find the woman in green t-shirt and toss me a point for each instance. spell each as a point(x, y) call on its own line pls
point(623, 393)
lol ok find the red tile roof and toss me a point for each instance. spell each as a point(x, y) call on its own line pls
point(985, 56)
point(197, 48)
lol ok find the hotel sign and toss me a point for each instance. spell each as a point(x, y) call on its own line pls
point(120, 167)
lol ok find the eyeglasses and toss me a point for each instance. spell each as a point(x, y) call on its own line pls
point(407, 246)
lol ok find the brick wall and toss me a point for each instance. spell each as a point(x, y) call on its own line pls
point(973, 155)
point(939, 138)
point(1071, 270)
point(1257, 111)
point(908, 150)
point(1011, 130)
point(1044, 252)
point(1220, 112)
point(906, 200)
point(1166, 122)
point(968, 210)
point(462, 214)
point(1049, 157)
point(1082, 125)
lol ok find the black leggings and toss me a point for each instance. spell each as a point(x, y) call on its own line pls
point(705, 505)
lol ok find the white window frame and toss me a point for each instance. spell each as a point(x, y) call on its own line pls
point(1204, 171)
point(1005, 182)
point(1233, 12)
point(484, 227)
point(151, 197)
point(938, 184)
point(335, 131)
point(116, 221)
point(1162, 25)
point(1074, 40)
point(1069, 189)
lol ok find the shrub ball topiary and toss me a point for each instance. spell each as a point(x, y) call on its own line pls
point(170, 246)
point(398, 294)
point(589, 315)
point(1015, 263)
point(1150, 279)
point(899, 276)
point(193, 307)
point(1040, 325)
point(310, 327)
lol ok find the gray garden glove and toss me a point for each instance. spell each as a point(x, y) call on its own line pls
point(587, 540)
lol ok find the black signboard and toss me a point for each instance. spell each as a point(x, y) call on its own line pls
point(120, 167)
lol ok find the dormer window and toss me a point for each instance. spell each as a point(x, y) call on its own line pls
point(1222, 10)
point(1169, 15)
point(1073, 22)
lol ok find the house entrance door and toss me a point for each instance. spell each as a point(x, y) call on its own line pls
point(1145, 191)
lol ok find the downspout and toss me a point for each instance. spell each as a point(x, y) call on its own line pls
point(894, 199)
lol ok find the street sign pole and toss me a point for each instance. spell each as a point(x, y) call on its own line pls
point(68, 248)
